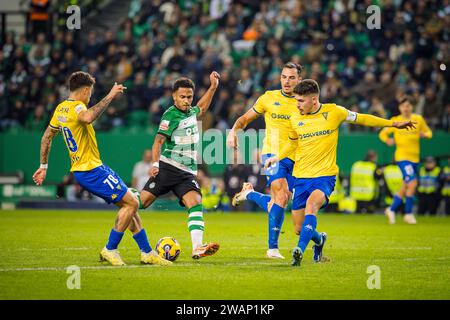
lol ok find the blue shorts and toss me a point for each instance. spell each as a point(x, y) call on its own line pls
point(103, 182)
point(303, 187)
point(282, 169)
point(409, 170)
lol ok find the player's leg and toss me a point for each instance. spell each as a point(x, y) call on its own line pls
point(409, 193)
point(106, 184)
point(308, 232)
point(193, 201)
point(298, 217)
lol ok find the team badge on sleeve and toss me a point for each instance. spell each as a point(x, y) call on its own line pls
point(79, 108)
point(164, 125)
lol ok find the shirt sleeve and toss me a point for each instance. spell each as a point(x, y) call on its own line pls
point(258, 107)
point(167, 125)
point(54, 124)
point(425, 129)
point(197, 110)
point(346, 115)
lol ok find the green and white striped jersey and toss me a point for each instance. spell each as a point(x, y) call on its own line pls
point(181, 147)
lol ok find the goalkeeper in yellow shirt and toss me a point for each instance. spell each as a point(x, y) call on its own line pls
point(407, 157)
point(314, 131)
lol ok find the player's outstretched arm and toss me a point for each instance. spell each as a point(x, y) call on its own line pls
point(92, 114)
point(373, 121)
point(46, 144)
point(240, 124)
point(156, 154)
point(205, 100)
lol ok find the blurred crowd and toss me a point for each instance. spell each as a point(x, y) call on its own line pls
point(247, 42)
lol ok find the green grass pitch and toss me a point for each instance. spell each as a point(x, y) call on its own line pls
point(37, 246)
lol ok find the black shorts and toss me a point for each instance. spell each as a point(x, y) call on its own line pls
point(172, 179)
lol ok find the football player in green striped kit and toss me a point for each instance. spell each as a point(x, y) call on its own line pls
point(175, 158)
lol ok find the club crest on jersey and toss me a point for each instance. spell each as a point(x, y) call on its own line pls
point(164, 125)
point(325, 115)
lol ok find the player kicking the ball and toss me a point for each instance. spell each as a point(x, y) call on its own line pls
point(314, 131)
point(74, 120)
point(175, 152)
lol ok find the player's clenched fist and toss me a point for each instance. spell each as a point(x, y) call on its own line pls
point(214, 78)
point(154, 171)
point(232, 140)
point(116, 90)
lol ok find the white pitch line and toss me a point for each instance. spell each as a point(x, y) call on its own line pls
point(188, 264)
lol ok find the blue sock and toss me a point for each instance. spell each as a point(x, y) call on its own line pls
point(262, 200)
point(409, 205)
point(114, 239)
point(142, 241)
point(396, 202)
point(316, 237)
point(308, 229)
point(276, 217)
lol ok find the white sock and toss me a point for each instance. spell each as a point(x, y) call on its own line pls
point(196, 238)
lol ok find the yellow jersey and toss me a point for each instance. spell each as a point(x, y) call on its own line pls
point(407, 142)
point(79, 137)
point(317, 135)
point(278, 109)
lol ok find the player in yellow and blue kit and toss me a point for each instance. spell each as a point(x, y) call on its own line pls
point(74, 120)
point(315, 134)
point(407, 157)
point(277, 107)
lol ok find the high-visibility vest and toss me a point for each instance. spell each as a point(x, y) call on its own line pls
point(428, 180)
point(394, 180)
point(36, 14)
point(363, 186)
point(212, 197)
point(446, 188)
point(338, 192)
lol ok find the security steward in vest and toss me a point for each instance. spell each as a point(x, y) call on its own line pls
point(429, 187)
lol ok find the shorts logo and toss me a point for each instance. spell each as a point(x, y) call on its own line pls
point(113, 196)
point(301, 123)
point(276, 103)
point(196, 184)
point(152, 185)
point(119, 187)
point(164, 125)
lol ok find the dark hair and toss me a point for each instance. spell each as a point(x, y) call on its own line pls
point(183, 83)
point(292, 65)
point(306, 87)
point(80, 79)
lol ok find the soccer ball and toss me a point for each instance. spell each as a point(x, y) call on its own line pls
point(168, 248)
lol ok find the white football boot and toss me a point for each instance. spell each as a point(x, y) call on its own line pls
point(240, 197)
point(409, 218)
point(274, 254)
point(390, 214)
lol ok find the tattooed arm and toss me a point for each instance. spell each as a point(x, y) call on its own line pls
point(46, 144)
point(92, 114)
